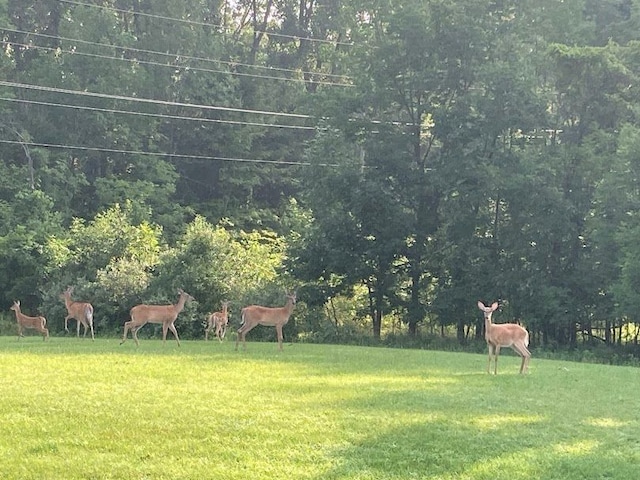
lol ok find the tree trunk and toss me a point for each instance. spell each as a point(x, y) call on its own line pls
point(375, 309)
point(415, 311)
point(377, 324)
point(460, 331)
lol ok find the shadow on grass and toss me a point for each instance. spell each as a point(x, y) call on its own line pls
point(449, 450)
point(487, 444)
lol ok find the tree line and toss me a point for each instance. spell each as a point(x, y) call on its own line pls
point(395, 162)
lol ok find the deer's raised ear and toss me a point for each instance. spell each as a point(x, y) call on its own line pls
point(481, 305)
point(494, 306)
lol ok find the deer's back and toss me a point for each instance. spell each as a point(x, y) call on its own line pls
point(153, 313)
point(507, 334)
point(265, 315)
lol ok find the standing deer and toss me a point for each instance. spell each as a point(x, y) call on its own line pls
point(274, 317)
point(504, 335)
point(164, 314)
point(82, 312)
point(37, 323)
point(219, 320)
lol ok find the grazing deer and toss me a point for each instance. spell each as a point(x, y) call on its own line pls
point(219, 320)
point(274, 317)
point(37, 323)
point(164, 314)
point(504, 335)
point(82, 312)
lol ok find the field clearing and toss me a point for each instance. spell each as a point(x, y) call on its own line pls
point(74, 409)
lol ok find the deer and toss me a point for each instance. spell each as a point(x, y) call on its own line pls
point(82, 312)
point(254, 315)
point(24, 321)
point(504, 335)
point(219, 320)
point(164, 314)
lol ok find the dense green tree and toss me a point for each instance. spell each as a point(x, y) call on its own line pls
point(27, 223)
point(110, 258)
point(215, 264)
point(408, 157)
point(613, 233)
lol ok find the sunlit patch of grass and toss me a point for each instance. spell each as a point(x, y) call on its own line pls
point(514, 465)
point(581, 447)
point(79, 409)
point(498, 421)
point(605, 422)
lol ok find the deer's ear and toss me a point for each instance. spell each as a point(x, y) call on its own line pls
point(494, 306)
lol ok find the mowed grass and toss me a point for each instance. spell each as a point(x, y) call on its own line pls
point(74, 409)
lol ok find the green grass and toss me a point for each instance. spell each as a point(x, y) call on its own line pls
point(74, 409)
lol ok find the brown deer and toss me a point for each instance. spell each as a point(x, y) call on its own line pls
point(82, 312)
point(24, 321)
point(254, 315)
point(219, 320)
point(504, 335)
point(164, 314)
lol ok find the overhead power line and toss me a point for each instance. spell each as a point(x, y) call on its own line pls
point(182, 67)
point(203, 24)
point(197, 69)
point(170, 155)
point(177, 117)
point(150, 101)
point(154, 115)
point(177, 56)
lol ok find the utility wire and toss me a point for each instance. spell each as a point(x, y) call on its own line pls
point(154, 115)
point(203, 24)
point(185, 57)
point(148, 100)
point(196, 119)
point(170, 155)
point(161, 102)
point(200, 69)
point(190, 105)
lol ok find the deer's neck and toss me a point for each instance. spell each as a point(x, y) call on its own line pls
point(180, 305)
point(487, 324)
point(289, 306)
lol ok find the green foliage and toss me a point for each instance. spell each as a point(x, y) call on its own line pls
point(449, 151)
point(215, 264)
point(111, 235)
point(29, 220)
point(110, 259)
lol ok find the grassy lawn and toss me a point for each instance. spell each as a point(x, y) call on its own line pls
point(75, 409)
